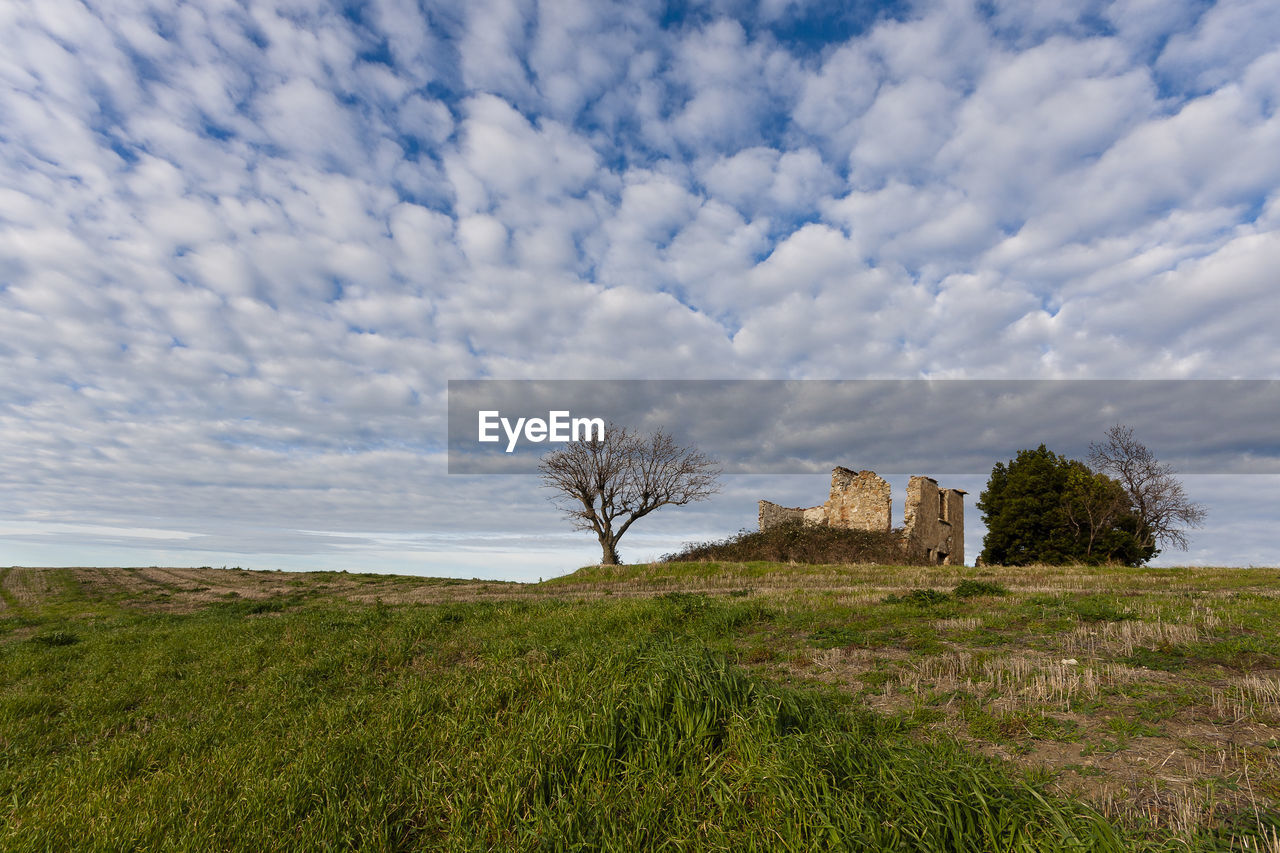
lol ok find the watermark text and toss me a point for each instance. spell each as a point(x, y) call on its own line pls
point(558, 426)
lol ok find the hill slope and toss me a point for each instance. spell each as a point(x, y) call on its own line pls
point(701, 706)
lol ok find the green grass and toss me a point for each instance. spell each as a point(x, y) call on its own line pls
point(522, 725)
point(1016, 728)
point(920, 598)
point(684, 718)
point(970, 588)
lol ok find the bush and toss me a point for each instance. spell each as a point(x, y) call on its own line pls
point(56, 638)
point(919, 597)
point(971, 588)
point(797, 542)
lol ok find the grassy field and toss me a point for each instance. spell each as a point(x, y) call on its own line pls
point(672, 706)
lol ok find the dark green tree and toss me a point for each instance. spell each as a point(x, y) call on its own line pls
point(1102, 519)
point(1044, 508)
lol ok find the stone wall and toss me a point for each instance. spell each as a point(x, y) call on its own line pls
point(955, 514)
point(772, 514)
point(933, 520)
point(859, 501)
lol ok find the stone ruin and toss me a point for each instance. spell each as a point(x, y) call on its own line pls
point(933, 524)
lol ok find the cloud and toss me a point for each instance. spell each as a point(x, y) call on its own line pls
point(245, 246)
point(763, 181)
point(1225, 40)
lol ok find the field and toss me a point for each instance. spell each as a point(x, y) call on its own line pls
point(670, 706)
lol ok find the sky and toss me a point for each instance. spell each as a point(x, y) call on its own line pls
point(245, 245)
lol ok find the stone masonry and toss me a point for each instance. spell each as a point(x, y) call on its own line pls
point(933, 521)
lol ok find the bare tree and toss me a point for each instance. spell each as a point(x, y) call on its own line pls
point(605, 485)
point(1159, 501)
point(1091, 505)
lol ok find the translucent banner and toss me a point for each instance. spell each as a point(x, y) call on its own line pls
point(934, 427)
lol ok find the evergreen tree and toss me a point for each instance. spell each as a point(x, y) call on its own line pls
point(1044, 508)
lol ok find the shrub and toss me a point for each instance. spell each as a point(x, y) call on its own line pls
point(56, 638)
point(797, 542)
point(970, 588)
point(919, 597)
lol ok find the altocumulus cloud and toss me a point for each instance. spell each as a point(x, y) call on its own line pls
point(245, 244)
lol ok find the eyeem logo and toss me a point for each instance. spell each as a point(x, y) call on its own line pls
point(559, 426)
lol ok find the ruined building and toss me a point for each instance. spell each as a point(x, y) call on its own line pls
point(933, 526)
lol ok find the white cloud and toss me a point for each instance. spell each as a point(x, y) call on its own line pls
point(772, 182)
point(1224, 41)
point(493, 48)
point(903, 130)
point(246, 245)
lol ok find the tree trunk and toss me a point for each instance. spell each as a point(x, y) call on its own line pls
point(610, 549)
